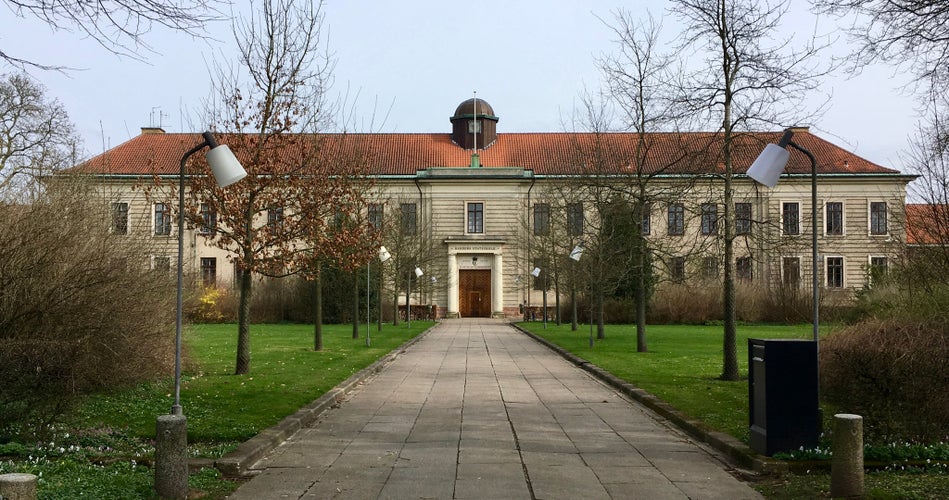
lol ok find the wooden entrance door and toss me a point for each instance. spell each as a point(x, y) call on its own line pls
point(474, 293)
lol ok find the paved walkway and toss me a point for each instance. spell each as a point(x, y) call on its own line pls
point(479, 410)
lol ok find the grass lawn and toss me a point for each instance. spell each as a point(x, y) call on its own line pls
point(105, 450)
point(682, 366)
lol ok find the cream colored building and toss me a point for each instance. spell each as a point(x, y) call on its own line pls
point(475, 198)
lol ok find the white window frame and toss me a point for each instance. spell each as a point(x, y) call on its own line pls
point(843, 219)
point(886, 266)
point(843, 272)
point(800, 272)
point(128, 217)
point(799, 217)
point(484, 222)
point(886, 220)
point(172, 227)
point(203, 229)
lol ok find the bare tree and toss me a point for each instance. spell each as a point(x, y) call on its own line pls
point(905, 33)
point(637, 76)
point(119, 26)
point(272, 113)
point(36, 136)
point(747, 79)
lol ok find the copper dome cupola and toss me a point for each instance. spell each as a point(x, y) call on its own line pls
point(474, 125)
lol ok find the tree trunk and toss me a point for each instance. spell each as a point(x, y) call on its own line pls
point(600, 328)
point(243, 326)
point(395, 298)
point(641, 297)
point(318, 312)
point(557, 298)
point(729, 349)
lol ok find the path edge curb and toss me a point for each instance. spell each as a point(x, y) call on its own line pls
point(738, 453)
point(237, 463)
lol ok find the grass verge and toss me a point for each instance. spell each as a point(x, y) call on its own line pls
point(682, 368)
point(106, 447)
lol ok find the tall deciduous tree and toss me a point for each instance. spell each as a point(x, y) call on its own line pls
point(273, 103)
point(748, 78)
point(912, 33)
point(637, 76)
point(36, 136)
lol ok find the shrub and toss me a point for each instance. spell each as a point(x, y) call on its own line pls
point(893, 373)
point(681, 303)
point(78, 313)
point(207, 306)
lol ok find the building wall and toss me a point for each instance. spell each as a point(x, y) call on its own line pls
point(508, 200)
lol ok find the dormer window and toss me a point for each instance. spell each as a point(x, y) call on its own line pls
point(474, 127)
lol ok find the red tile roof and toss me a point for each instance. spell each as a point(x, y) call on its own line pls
point(544, 153)
point(927, 224)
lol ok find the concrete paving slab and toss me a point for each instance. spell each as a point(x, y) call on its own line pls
point(476, 409)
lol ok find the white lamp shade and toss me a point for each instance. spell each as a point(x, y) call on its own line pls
point(576, 253)
point(536, 272)
point(225, 167)
point(418, 273)
point(768, 166)
point(384, 254)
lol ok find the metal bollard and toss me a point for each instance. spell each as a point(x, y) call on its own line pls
point(846, 472)
point(17, 486)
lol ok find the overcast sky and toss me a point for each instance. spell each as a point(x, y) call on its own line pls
point(406, 65)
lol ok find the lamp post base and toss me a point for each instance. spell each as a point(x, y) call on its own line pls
point(171, 457)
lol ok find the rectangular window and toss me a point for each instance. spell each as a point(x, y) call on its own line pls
point(677, 269)
point(742, 218)
point(878, 264)
point(162, 220)
point(709, 219)
point(208, 220)
point(791, 217)
point(575, 219)
point(409, 218)
point(878, 217)
point(835, 272)
point(120, 218)
point(541, 219)
point(676, 219)
point(834, 217)
point(791, 272)
point(208, 271)
point(710, 268)
point(375, 215)
point(275, 216)
point(476, 218)
point(647, 219)
point(161, 263)
point(744, 269)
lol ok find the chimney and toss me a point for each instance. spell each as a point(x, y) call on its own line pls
point(152, 130)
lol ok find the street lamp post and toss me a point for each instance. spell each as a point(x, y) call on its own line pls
point(384, 255)
point(575, 255)
point(536, 273)
point(408, 297)
point(767, 169)
point(171, 440)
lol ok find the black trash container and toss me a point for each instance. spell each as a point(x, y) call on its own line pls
point(784, 412)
